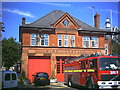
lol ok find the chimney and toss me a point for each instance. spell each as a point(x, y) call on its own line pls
point(23, 21)
point(97, 20)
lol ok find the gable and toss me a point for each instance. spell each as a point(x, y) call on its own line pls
point(66, 21)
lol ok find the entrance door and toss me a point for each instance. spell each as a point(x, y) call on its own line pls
point(60, 71)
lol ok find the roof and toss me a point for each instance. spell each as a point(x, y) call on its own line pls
point(52, 17)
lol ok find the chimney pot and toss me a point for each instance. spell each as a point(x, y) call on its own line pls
point(97, 20)
point(23, 21)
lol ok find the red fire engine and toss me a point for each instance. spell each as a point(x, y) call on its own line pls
point(99, 72)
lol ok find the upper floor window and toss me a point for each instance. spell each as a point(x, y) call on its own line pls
point(34, 40)
point(44, 39)
point(86, 41)
point(72, 41)
point(39, 39)
point(59, 40)
point(94, 41)
point(66, 40)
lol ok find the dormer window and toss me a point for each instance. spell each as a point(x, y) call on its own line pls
point(66, 22)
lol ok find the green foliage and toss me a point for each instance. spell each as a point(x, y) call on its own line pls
point(10, 52)
point(115, 48)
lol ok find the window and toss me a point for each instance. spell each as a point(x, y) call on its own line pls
point(93, 63)
point(58, 67)
point(86, 41)
point(82, 64)
point(94, 41)
point(13, 76)
point(7, 76)
point(66, 40)
point(106, 49)
point(34, 40)
point(66, 22)
point(44, 39)
point(59, 40)
point(72, 41)
point(39, 39)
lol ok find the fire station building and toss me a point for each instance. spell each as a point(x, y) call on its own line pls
point(47, 42)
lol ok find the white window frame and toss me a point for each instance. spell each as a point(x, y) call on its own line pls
point(85, 40)
point(72, 41)
point(44, 39)
point(59, 40)
point(65, 40)
point(95, 41)
point(33, 38)
point(106, 49)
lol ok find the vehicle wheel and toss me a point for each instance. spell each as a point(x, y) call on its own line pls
point(70, 82)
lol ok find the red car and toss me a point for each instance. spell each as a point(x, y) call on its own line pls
point(41, 78)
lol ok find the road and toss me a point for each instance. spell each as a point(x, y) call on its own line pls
point(52, 86)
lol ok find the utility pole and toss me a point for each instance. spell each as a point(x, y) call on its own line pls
point(93, 14)
point(111, 18)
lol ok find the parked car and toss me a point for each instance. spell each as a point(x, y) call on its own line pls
point(41, 78)
point(9, 79)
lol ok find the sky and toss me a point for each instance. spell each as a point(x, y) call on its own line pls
point(13, 12)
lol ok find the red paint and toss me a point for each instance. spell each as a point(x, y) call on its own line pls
point(60, 74)
point(38, 64)
point(85, 64)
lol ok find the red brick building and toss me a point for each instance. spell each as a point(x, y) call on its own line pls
point(47, 42)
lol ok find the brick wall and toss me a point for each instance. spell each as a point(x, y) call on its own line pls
point(26, 38)
point(53, 38)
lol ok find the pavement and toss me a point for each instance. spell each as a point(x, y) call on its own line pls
point(52, 86)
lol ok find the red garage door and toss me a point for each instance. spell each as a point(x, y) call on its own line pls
point(38, 64)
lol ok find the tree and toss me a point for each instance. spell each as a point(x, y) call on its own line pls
point(115, 48)
point(10, 52)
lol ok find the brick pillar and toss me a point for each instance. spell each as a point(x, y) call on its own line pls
point(53, 66)
point(24, 65)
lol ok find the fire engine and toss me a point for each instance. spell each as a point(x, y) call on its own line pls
point(99, 72)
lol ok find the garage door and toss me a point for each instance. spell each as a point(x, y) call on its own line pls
point(38, 64)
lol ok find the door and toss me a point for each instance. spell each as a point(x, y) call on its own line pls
point(14, 81)
point(7, 80)
point(38, 64)
point(60, 71)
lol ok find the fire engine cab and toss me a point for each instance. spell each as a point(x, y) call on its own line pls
point(99, 72)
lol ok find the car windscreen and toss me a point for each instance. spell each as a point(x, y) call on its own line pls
point(109, 63)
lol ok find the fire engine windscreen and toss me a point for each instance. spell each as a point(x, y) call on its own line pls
point(109, 63)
